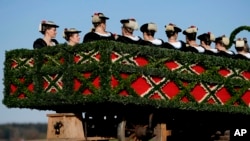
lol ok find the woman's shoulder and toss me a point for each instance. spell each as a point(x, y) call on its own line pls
point(39, 43)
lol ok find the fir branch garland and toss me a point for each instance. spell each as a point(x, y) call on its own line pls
point(235, 32)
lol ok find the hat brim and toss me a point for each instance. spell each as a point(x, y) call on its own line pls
point(104, 18)
point(51, 25)
point(124, 21)
point(73, 32)
point(177, 29)
point(143, 28)
point(201, 37)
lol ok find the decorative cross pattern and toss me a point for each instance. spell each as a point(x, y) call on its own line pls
point(53, 83)
point(87, 57)
point(22, 87)
point(53, 59)
point(163, 88)
point(22, 63)
point(86, 83)
point(142, 61)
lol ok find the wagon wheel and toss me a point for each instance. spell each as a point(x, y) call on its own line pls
point(135, 132)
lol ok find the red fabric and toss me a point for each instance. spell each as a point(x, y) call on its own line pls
point(140, 85)
point(13, 88)
point(21, 96)
point(155, 96)
point(114, 82)
point(198, 69)
point(123, 93)
point(199, 93)
point(211, 101)
point(156, 79)
point(87, 92)
point(246, 97)
point(14, 64)
point(96, 82)
point(223, 95)
point(246, 75)
point(77, 58)
point(170, 89)
point(225, 72)
point(184, 99)
point(141, 61)
point(31, 87)
point(45, 84)
point(77, 84)
point(97, 56)
point(114, 56)
point(172, 65)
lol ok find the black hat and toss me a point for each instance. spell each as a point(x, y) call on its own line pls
point(44, 24)
point(172, 27)
point(98, 17)
point(130, 23)
point(148, 27)
point(191, 30)
point(206, 37)
point(70, 30)
point(223, 39)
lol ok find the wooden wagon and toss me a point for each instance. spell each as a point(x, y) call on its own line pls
point(128, 92)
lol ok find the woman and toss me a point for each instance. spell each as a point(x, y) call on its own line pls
point(148, 31)
point(241, 48)
point(205, 41)
point(221, 44)
point(128, 28)
point(192, 46)
point(172, 35)
point(72, 36)
point(99, 31)
point(48, 29)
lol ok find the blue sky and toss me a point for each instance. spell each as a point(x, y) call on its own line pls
point(20, 20)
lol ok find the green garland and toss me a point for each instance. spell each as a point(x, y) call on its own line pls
point(235, 32)
point(49, 62)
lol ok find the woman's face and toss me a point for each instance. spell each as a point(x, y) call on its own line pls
point(75, 38)
point(51, 32)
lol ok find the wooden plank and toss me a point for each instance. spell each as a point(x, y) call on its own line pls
point(71, 126)
point(161, 132)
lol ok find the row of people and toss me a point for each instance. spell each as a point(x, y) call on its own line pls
point(71, 35)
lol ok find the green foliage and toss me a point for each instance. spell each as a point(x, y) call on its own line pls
point(60, 60)
point(235, 32)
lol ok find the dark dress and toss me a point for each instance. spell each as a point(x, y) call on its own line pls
point(40, 43)
point(195, 49)
point(124, 39)
point(228, 54)
point(213, 52)
point(155, 43)
point(240, 56)
point(92, 36)
point(180, 45)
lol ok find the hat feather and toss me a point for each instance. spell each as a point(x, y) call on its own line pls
point(152, 26)
point(240, 43)
point(40, 27)
point(95, 19)
point(212, 37)
point(225, 41)
point(169, 28)
point(191, 30)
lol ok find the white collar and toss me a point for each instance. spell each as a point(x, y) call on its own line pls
point(156, 41)
point(135, 38)
point(104, 34)
point(176, 45)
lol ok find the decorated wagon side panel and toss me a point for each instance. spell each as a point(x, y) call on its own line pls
point(126, 74)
